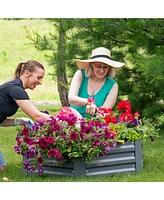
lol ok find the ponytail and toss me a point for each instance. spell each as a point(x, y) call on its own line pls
point(30, 65)
point(18, 70)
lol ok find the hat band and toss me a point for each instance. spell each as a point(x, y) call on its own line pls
point(97, 56)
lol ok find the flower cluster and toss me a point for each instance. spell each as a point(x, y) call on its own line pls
point(66, 136)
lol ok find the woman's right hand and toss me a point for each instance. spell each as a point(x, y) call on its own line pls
point(91, 109)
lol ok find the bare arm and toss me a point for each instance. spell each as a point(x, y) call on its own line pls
point(112, 97)
point(30, 109)
point(73, 97)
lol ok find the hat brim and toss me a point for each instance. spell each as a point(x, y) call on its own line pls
point(82, 64)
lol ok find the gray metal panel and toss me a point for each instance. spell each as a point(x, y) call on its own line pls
point(123, 158)
point(111, 172)
point(138, 155)
point(112, 159)
point(79, 167)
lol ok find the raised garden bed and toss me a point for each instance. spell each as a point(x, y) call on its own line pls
point(124, 158)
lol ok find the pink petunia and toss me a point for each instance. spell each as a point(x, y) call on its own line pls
point(25, 131)
point(54, 153)
point(43, 144)
point(49, 140)
point(73, 135)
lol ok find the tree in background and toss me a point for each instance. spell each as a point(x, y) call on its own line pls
point(137, 42)
point(55, 47)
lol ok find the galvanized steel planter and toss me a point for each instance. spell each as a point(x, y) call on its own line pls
point(122, 158)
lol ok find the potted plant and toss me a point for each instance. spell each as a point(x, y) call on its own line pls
point(66, 145)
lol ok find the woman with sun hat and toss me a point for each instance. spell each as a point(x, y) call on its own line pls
point(93, 85)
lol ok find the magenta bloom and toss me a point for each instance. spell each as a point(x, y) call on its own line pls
point(27, 140)
point(60, 159)
point(98, 143)
point(49, 140)
point(25, 131)
point(54, 153)
point(72, 119)
point(73, 135)
point(108, 148)
point(104, 153)
point(69, 143)
point(41, 122)
point(17, 149)
point(104, 143)
point(64, 136)
point(107, 133)
point(55, 127)
point(40, 160)
point(42, 143)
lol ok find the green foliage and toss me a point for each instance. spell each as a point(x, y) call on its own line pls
point(136, 42)
point(147, 91)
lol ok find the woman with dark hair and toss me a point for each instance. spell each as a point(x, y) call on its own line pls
point(13, 96)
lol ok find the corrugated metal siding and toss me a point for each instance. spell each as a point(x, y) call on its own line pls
point(122, 158)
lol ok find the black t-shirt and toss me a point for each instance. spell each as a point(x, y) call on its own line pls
point(9, 92)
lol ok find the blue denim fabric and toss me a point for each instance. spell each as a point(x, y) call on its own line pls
point(2, 160)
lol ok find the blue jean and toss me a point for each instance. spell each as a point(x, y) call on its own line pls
point(2, 160)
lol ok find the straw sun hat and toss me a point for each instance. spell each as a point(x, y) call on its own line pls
point(99, 54)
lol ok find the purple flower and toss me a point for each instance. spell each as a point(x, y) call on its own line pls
point(40, 122)
point(17, 149)
point(135, 122)
point(152, 138)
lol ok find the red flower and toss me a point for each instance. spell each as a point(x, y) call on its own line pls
point(136, 114)
point(90, 101)
point(65, 111)
point(124, 105)
point(110, 119)
point(104, 111)
point(126, 117)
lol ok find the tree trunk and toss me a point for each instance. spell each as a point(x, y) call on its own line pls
point(62, 82)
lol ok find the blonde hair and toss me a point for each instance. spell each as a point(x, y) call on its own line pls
point(89, 71)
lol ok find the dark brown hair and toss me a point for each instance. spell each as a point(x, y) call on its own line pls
point(30, 65)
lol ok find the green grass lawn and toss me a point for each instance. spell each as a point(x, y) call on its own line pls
point(15, 47)
point(153, 166)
